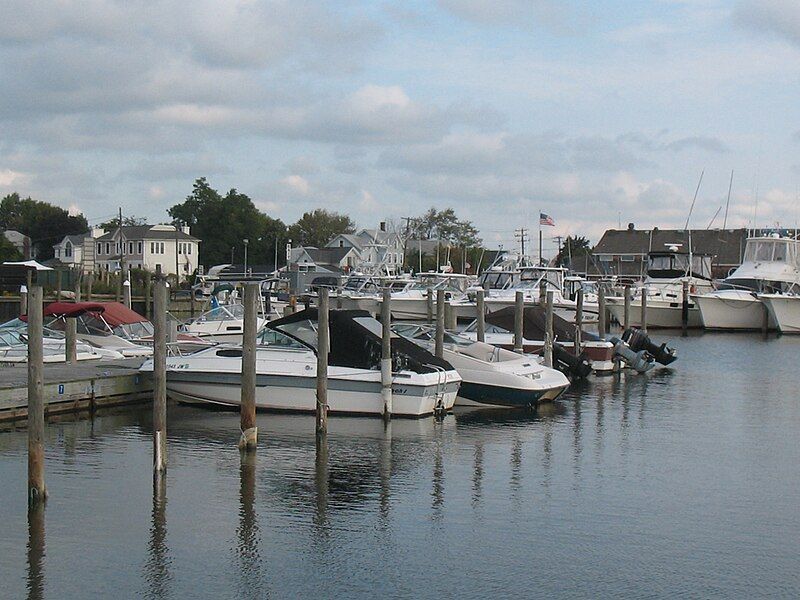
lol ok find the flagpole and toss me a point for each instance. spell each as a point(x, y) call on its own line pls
point(540, 237)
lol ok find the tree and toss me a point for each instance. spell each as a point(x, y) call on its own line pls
point(127, 221)
point(223, 223)
point(445, 226)
point(44, 223)
point(319, 227)
point(8, 251)
point(574, 246)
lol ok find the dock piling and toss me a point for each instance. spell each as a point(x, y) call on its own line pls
point(626, 314)
point(71, 340)
point(386, 353)
point(480, 307)
point(519, 315)
point(578, 321)
point(451, 321)
point(542, 293)
point(37, 492)
point(89, 282)
point(23, 300)
point(548, 336)
point(160, 374)
point(59, 275)
point(126, 292)
point(323, 346)
point(439, 345)
point(685, 307)
point(429, 299)
point(78, 278)
point(644, 309)
point(247, 407)
point(601, 313)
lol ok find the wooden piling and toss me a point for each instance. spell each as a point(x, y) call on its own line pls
point(685, 307)
point(148, 293)
point(548, 336)
point(601, 313)
point(71, 340)
point(23, 300)
point(247, 408)
point(519, 319)
point(578, 321)
point(626, 314)
point(323, 347)
point(450, 317)
point(160, 374)
point(542, 293)
point(644, 309)
point(429, 298)
point(89, 282)
point(386, 353)
point(37, 492)
point(59, 274)
point(480, 307)
point(78, 281)
point(126, 293)
point(439, 343)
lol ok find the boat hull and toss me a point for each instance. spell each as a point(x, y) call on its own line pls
point(660, 315)
point(733, 310)
point(784, 310)
point(478, 394)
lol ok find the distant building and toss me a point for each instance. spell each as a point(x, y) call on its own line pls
point(378, 250)
point(148, 247)
point(20, 241)
point(623, 252)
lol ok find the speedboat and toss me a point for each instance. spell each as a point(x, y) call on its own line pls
point(499, 328)
point(286, 370)
point(771, 266)
point(491, 376)
point(667, 271)
point(14, 345)
point(223, 323)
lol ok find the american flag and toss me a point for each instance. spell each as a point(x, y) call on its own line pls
point(545, 219)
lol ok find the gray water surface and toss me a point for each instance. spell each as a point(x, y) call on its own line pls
point(683, 482)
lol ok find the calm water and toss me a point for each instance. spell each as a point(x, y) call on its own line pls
point(683, 482)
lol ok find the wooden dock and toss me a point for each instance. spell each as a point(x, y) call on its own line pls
point(69, 388)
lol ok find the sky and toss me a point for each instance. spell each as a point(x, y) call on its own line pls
point(596, 113)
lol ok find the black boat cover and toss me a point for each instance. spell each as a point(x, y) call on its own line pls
point(534, 324)
point(355, 343)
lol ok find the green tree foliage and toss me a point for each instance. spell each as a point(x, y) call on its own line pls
point(223, 222)
point(574, 246)
point(444, 225)
point(319, 227)
point(127, 221)
point(44, 223)
point(7, 250)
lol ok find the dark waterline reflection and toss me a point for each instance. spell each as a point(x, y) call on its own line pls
point(681, 482)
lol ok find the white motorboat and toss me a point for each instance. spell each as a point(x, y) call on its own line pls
point(667, 271)
point(14, 345)
point(771, 265)
point(411, 304)
point(784, 310)
point(491, 376)
point(286, 366)
point(223, 323)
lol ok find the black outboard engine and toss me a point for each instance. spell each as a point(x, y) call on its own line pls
point(638, 341)
point(576, 366)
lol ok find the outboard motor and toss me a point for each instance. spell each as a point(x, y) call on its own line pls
point(638, 361)
point(638, 340)
point(576, 366)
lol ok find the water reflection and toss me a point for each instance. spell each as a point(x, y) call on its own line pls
point(36, 551)
point(157, 568)
point(437, 491)
point(247, 533)
point(385, 472)
point(477, 474)
point(322, 481)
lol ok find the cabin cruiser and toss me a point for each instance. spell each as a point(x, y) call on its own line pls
point(14, 345)
point(286, 369)
point(499, 327)
point(667, 270)
point(771, 265)
point(359, 292)
point(784, 309)
point(222, 323)
point(491, 376)
point(411, 304)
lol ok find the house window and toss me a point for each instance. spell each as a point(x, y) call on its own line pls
point(68, 250)
point(189, 247)
point(341, 243)
point(152, 248)
point(58, 253)
point(108, 247)
point(161, 248)
point(130, 247)
point(99, 248)
point(140, 248)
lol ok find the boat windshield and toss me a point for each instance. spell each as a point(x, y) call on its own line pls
point(755, 285)
point(670, 266)
point(305, 331)
point(531, 278)
point(428, 334)
point(778, 250)
point(496, 280)
point(360, 284)
point(224, 312)
point(441, 282)
point(274, 338)
point(134, 331)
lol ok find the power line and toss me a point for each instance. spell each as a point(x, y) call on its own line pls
point(521, 235)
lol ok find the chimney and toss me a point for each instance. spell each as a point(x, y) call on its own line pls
point(631, 227)
point(186, 229)
point(383, 225)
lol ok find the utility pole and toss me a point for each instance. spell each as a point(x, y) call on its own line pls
point(521, 235)
point(559, 239)
point(406, 236)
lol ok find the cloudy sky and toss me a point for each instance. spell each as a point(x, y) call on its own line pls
point(498, 108)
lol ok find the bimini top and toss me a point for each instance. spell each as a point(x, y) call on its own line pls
point(534, 324)
point(114, 313)
point(355, 341)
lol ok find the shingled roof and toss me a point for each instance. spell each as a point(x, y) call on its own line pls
point(147, 232)
point(725, 245)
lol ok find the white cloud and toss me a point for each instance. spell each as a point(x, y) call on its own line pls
point(297, 184)
point(10, 178)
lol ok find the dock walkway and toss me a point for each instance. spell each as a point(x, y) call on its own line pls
point(68, 388)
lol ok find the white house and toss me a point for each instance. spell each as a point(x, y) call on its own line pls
point(69, 250)
point(378, 250)
point(148, 247)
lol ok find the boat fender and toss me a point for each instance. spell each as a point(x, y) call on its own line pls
point(638, 340)
point(639, 361)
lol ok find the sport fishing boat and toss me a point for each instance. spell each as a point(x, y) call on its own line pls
point(491, 376)
point(667, 270)
point(499, 327)
point(411, 304)
point(286, 370)
point(771, 266)
point(784, 310)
